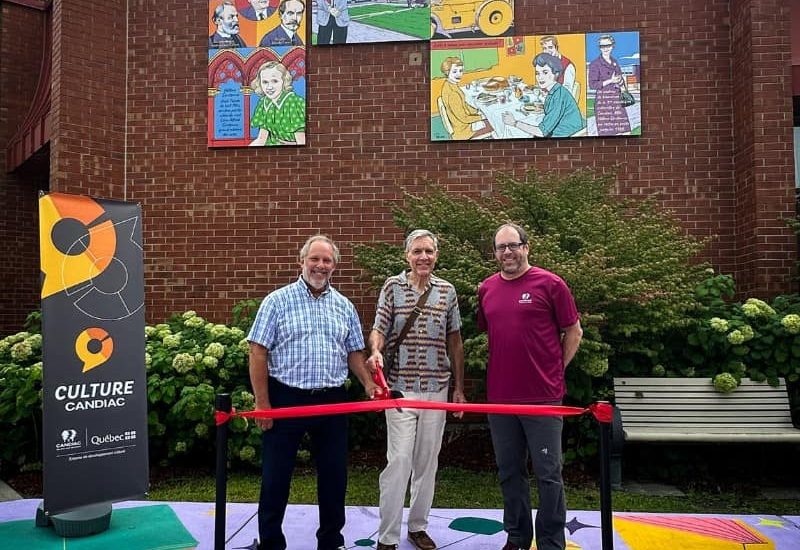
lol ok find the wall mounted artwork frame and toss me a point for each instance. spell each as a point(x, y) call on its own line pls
point(371, 21)
point(256, 73)
point(539, 86)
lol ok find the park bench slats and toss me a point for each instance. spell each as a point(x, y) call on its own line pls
point(691, 410)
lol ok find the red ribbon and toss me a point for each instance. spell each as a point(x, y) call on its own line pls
point(601, 411)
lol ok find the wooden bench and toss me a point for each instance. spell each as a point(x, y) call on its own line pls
point(691, 410)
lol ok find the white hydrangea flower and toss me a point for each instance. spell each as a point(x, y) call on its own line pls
point(736, 337)
point(215, 349)
point(183, 363)
point(720, 325)
point(791, 323)
point(21, 351)
point(171, 341)
point(194, 322)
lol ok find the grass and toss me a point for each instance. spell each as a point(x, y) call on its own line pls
point(458, 488)
point(413, 22)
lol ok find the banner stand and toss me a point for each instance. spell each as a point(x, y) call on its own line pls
point(81, 522)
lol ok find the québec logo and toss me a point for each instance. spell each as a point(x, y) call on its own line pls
point(69, 440)
point(525, 298)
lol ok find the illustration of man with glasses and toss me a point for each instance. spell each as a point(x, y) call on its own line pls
point(534, 331)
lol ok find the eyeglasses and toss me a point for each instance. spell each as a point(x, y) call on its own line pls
point(513, 247)
point(606, 45)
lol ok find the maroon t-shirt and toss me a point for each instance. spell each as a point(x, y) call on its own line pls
point(524, 318)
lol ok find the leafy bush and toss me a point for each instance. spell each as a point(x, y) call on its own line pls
point(188, 362)
point(21, 395)
point(628, 263)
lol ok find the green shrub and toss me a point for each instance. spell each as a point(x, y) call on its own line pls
point(628, 263)
point(21, 395)
point(188, 362)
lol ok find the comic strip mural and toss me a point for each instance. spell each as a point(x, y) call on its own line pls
point(364, 21)
point(256, 73)
point(543, 86)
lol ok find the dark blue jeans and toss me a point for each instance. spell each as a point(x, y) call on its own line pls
point(328, 436)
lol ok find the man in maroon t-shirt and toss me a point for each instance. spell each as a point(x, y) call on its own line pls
point(534, 331)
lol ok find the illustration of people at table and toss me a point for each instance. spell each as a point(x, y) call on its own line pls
point(465, 120)
point(562, 117)
point(280, 114)
point(606, 78)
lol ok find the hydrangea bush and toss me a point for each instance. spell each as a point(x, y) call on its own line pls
point(188, 362)
point(21, 395)
point(751, 339)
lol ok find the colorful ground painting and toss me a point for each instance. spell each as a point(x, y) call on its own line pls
point(483, 530)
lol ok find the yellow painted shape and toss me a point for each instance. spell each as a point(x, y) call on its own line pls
point(639, 536)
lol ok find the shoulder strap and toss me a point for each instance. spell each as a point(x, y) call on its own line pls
point(413, 316)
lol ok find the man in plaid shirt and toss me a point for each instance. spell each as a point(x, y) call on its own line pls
point(305, 337)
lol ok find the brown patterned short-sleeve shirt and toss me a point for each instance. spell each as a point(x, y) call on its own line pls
point(421, 364)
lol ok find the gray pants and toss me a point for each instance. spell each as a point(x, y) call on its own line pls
point(514, 438)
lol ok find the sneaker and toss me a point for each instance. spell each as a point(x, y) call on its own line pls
point(382, 546)
point(421, 540)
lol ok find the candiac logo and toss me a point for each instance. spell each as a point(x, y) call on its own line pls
point(94, 346)
point(69, 440)
point(525, 298)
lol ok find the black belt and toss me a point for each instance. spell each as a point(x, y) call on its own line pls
point(318, 391)
point(311, 391)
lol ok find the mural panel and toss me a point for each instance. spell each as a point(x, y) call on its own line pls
point(256, 73)
point(542, 86)
point(364, 21)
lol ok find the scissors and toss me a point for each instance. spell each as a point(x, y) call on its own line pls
point(385, 392)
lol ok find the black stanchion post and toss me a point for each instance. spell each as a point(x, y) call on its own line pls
point(606, 527)
point(223, 404)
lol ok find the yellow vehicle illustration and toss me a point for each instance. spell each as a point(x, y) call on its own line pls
point(489, 17)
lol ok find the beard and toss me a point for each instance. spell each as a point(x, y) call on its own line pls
point(313, 279)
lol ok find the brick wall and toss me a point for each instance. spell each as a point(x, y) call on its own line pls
point(88, 97)
point(764, 174)
point(223, 225)
point(21, 32)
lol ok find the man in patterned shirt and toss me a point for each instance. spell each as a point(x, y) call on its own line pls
point(304, 338)
point(425, 359)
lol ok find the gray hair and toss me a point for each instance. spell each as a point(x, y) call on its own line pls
point(324, 238)
point(220, 9)
point(421, 234)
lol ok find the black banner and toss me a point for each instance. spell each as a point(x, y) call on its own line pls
point(94, 379)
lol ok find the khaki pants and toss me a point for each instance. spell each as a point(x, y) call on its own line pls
point(413, 440)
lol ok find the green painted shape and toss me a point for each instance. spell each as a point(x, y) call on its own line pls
point(364, 542)
point(478, 526)
point(140, 528)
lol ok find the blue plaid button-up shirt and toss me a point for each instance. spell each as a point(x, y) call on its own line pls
point(308, 338)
